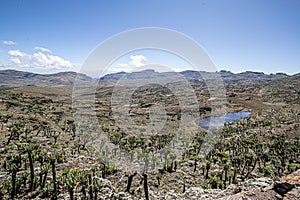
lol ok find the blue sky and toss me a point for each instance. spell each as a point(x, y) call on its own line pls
point(57, 35)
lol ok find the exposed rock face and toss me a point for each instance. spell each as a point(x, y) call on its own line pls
point(291, 182)
point(283, 187)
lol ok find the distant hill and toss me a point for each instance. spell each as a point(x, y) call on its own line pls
point(247, 77)
point(14, 78)
point(284, 90)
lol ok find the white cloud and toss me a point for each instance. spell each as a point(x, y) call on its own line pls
point(15, 60)
point(50, 61)
point(137, 60)
point(38, 60)
point(8, 42)
point(18, 53)
point(42, 49)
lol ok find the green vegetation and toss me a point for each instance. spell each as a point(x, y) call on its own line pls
point(43, 157)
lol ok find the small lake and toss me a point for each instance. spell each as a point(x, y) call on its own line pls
point(210, 123)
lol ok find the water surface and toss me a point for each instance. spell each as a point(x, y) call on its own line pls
point(219, 121)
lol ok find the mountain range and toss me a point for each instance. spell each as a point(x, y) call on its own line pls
point(228, 77)
point(14, 78)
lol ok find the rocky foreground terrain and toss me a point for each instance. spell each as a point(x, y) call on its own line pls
point(260, 188)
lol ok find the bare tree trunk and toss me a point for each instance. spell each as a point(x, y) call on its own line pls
point(31, 171)
point(129, 182)
point(145, 176)
point(54, 179)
